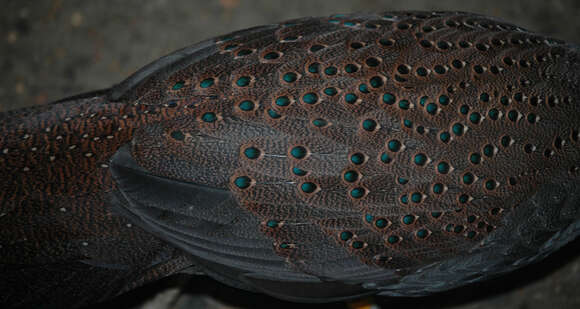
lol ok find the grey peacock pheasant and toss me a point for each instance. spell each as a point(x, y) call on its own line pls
point(320, 159)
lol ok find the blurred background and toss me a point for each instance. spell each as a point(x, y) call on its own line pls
point(50, 49)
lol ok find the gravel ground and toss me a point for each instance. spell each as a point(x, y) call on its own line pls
point(52, 49)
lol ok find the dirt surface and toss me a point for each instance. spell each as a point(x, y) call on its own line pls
point(53, 49)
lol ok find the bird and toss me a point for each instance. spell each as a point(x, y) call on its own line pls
point(320, 159)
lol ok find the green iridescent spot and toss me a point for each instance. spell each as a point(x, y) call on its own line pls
point(478, 69)
point(394, 145)
point(357, 158)
point(178, 85)
point(504, 100)
point(422, 233)
point(506, 141)
point(493, 114)
point(408, 123)
point(423, 100)
point(444, 100)
point(290, 77)
point(402, 181)
point(468, 178)
point(369, 125)
point(404, 104)
point(310, 98)
point(319, 122)
point(385, 158)
point(314, 68)
point(272, 223)
point(208, 82)
point(177, 135)
point(519, 97)
point(350, 98)
point(350, 68)
point(484, 97)
point(532, 118)
point(416, 197)
point(381, 223)
point(273, 114)
point(285, 246)
point(431, 108)
point(458, 229)
point(330, 91)
point(408, 219)
point(420, 159)
point(475, 117)
point(513, 115)
point(363, 88)
point(439, 69)
point(369, 218)
point(443, 167)
point(330, 71)
point(471, 234)
point(298, 152)
point(350, 176)
point(471, 219)
point(252, 153)
point(420, 129)
point(243, 81)
point(346, 235)
point(445, 137)
point(389, 98)
point(376, 82)
point(438, 188)
point(436, 214)
point(449, 227)
point(243, 182)
point(246, 105)
point(393, 239)
point(308, 187)
point(404, 199)
point(298, 171)
point(209, 117)
point(490, 184)
point(458, 129)
point(357, 192)
point(271, 56)
point(357, 244)
point(464, 109)
point(488, 150)
point(421, 71)
point(283, 101)
point(475, 158)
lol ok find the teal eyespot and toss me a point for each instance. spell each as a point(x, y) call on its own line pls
point(363, 88)
point(350, 68)
point(243, 182)
point(310, 98)
point(438, 188)
point(290, 77)
point(389, 98)
point(209, 117)
point(443, 167)
point(408, 219)
point(346, 235)
point(445, 137)
point(252, 153)
point(308, 187)
point(243, 81)
point(330, 71)
point(178, 85)
point(376, 82)
point(394, 145)
point(283, 101)
point(357, 158)
point(416, 197)
point(177, 135)
point(468, 178)
point(314, 68)
point(273, 114)
point(208, 82)
point(385, 158)
point(350, 176)
point(330, 91)
point(319, 122)
point(298, 171)
point(422, 233)
point(381, 223)
point(393, 239)
point(298, 152)
point(246, 105)
point(420, 159)
point(369, 125)
point(444, 100)
point(357, 192)
point(404, 104)
point(350, 98)
point(272, 223)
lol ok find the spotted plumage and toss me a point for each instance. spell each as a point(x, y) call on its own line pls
point(401, 153)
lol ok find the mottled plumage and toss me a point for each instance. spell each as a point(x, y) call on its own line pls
point(319, 159)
